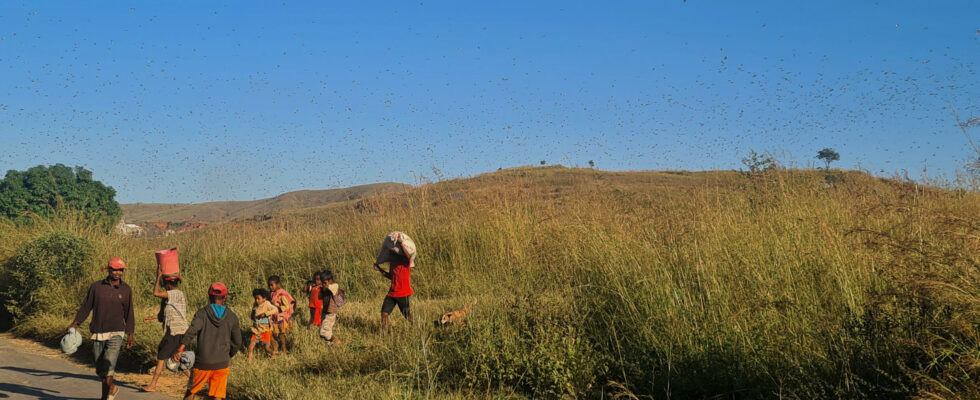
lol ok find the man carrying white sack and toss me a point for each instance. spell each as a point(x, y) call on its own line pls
point(398, 250)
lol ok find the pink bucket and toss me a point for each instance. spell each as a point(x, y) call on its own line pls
point(167, 262)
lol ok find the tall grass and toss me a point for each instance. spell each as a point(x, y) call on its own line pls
point(789, 284)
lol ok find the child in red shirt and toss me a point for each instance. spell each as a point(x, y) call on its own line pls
point(316, 304)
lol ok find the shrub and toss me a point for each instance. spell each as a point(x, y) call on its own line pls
point(38, 275)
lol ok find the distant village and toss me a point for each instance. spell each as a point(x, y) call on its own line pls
point(171, 228)
point(156, 228)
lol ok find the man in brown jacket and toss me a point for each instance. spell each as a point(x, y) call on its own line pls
point(111, 303)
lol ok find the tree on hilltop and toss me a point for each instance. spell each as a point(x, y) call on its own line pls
point(758, 162)
point(828, 155)
point(43, 190)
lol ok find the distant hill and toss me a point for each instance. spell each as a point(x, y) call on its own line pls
point(222, 211)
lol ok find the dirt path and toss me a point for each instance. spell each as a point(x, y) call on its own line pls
point(31, 371)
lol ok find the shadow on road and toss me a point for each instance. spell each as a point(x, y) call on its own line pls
point(56, 374)
point(8, 389)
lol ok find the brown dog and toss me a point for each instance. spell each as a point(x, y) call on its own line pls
point(455, 317)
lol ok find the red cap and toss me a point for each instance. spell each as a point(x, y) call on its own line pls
point(218, 289)
point(116, 263)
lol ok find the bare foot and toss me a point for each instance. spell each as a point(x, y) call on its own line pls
point(113, 392)
point(148, 388)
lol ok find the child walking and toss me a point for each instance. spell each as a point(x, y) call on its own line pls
point(173, 316)
point(328, 294)
point(262, 310)
point(316, 303)
point(286, 304)
point(218, 339)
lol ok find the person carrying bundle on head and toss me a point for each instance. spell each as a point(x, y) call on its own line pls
point(398, 250)
point(173, 316)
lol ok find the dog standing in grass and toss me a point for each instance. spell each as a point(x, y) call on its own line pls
point(455, 317)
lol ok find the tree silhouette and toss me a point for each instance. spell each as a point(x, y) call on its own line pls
point(828, 155)
point(591, 164)
point(543, 162)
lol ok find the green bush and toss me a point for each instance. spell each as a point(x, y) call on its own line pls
point(38, 276)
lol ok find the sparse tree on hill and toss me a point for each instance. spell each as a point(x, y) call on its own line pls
point(757, 162)
point(591, 164)
point(828, 155)
point(543, 162)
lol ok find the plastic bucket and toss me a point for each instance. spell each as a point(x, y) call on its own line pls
point(167, 262)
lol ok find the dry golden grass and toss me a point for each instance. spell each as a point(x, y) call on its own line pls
point(795, 284)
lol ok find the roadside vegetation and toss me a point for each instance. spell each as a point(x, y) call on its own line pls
point(42, 192)
point(592, 284)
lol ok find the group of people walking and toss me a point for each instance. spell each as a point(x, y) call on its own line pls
point(216, 327)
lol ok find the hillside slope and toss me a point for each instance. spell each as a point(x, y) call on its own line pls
point(222, 211)
point(597, 284)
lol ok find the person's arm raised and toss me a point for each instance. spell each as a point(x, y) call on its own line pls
point(156, 287)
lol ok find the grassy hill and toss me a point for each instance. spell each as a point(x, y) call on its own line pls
point(222, 211)
point(593, 284)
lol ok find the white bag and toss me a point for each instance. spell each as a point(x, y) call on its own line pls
point(71, 341)
point(396, 243)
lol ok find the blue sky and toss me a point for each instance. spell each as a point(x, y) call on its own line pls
point(205, 101)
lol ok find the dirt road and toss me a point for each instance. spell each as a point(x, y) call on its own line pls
point(31, 371)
